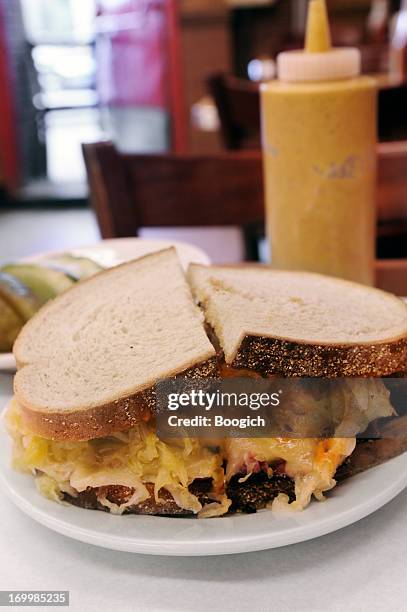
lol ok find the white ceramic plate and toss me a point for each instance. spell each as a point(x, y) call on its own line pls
point(113, 252)
point(7, 362)
point(348, 503)
point(109, 253)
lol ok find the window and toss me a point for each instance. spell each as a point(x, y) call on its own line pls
point(59, 21)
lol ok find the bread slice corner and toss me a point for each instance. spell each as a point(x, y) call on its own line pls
point(89, 361)
point(301, 324)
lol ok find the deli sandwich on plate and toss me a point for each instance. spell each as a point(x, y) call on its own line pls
point(83, 416)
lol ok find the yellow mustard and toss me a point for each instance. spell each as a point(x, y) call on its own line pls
point(319, 144)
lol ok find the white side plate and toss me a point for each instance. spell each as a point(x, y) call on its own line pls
point(109, 253)
point(115, 251)
point(346, 504)
point(7, 362)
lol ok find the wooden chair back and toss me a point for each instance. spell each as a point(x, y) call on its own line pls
point(129, 192)
point(391, 275)
point(238, 105)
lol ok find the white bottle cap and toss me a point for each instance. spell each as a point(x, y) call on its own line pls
point(297, 66)
point(319, 61)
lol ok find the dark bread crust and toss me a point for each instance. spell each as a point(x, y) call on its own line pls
point(88, 500)
point(247, 497)
point(269, 356)
point(370, 453)
point(258, 491)
point(113, 417)
point(118, 495)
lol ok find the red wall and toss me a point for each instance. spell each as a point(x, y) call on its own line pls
point(9, 158)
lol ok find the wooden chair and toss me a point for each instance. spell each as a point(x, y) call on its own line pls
point(238, 105)
point(391, 275)
point(392, 119)
point(392, 200)
point(130, 192)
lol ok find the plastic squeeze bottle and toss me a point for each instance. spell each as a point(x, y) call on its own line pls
point(319, 143)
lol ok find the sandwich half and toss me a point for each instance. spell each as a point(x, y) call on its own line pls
point(84, 415)
point(295, 324)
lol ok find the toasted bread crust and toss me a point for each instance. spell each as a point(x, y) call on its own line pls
point(166, 507)
point(370, 453)
point(248, 497)
point(101, 421)
point(269, 356)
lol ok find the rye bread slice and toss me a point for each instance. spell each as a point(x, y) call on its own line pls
point(118, 495)
point(301, 324)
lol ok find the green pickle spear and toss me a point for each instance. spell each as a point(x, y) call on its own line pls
point(18, 296)
point(10, 326)
point(25, 287)
point(76, 268)
point(45, 283)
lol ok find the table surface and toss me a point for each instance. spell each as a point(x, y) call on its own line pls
point(358, 568)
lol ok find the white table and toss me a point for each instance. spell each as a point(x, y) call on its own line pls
point(362, 567)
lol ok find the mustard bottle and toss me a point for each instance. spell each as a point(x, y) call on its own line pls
point(319, 146)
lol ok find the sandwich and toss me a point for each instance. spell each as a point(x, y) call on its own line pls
point(298, 324)
point(84, 415)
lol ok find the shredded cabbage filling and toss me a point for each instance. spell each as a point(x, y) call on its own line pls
point(137, 457)
point(130, 459)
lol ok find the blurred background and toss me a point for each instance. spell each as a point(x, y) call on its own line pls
point(152, 76)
